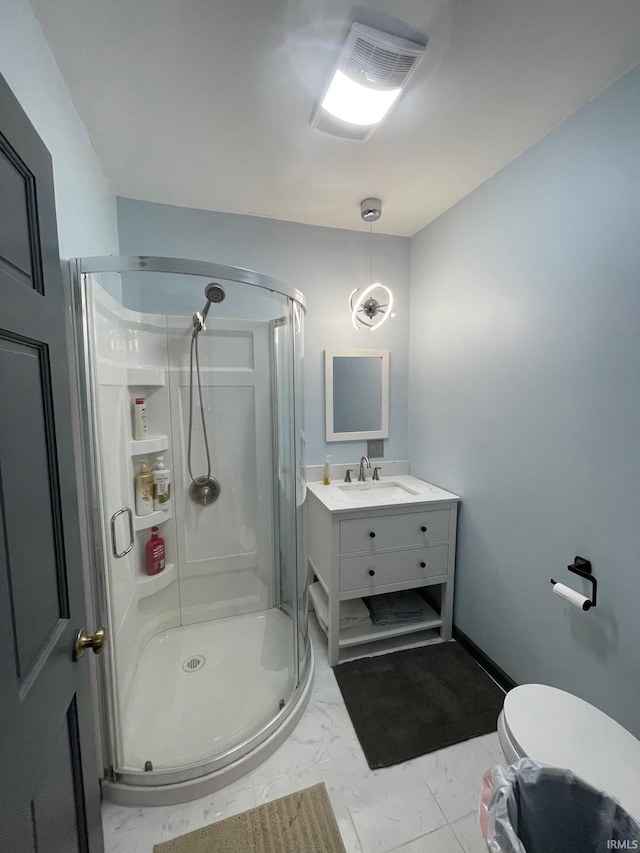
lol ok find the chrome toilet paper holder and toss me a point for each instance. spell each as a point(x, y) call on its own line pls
point(582, 567)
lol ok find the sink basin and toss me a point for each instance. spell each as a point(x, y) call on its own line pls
point(376, 492)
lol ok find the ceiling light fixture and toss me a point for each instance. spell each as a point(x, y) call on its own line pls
point(372, 68)
point(367, 306)
point(355, 103)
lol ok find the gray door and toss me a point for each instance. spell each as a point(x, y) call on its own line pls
point(49, 794)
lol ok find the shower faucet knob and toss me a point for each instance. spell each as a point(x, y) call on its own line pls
point(204, 490)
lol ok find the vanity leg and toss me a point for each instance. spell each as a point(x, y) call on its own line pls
point(446, 610)
point(333, 634)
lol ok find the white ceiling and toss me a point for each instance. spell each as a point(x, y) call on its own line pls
point(206, 103)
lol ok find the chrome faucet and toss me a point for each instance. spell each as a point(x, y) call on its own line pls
point(363, 461)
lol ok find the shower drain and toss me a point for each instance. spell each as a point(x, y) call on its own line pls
point(193, 663)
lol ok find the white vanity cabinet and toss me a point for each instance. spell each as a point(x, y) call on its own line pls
point(358, 547)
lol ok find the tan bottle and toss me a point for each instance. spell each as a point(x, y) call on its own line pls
point(144, 490)
point(326, 471)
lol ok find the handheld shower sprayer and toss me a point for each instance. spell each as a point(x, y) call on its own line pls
point(204, 489)
point(213, 293)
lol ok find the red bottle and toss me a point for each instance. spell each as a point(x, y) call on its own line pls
point(154, 553)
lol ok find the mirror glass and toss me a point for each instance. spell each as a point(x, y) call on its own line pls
point(357, 394)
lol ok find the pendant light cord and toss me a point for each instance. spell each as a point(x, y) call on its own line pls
point(371, 253)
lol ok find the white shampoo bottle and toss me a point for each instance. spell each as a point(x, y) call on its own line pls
point(140, 428)
point(161, 485)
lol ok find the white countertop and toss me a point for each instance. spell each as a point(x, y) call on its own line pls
point(403, 490)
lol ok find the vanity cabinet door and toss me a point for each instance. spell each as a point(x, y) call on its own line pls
point(377, 533)
point(375, 570)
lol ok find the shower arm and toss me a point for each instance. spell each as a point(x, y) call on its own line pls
point(200, 316)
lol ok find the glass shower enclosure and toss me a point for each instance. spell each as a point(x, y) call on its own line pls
point(208, 661)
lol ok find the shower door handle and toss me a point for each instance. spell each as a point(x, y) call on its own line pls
point(114, 547)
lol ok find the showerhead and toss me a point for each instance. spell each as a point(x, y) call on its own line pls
point(214, 293)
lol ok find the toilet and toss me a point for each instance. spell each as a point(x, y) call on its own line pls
point(553, 727)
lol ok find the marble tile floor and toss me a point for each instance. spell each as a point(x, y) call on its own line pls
point(427, 805)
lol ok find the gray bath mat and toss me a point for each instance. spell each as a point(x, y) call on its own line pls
point(408, 703)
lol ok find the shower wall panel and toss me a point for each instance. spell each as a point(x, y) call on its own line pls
point(129, 358)
point(225, 549)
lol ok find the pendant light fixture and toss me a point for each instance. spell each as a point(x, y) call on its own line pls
point(371, 307)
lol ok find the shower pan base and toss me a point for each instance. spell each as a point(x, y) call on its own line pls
point(193, 657)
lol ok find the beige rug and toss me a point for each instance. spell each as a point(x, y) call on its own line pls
point(302, 822)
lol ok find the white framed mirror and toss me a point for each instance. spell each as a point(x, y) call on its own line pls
point(356, 394)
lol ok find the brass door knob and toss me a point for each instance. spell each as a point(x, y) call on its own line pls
point(96, 643)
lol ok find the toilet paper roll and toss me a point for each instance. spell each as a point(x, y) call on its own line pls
point(572, 596)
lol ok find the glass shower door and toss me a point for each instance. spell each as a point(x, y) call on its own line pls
point(206, 658)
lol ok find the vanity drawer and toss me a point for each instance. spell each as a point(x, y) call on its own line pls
point(356, 572)
point(376, 533)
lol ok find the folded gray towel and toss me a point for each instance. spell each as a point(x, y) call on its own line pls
point(394, 607)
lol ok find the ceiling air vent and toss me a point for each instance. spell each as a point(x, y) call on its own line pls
point(379, 65)
point(375, 61)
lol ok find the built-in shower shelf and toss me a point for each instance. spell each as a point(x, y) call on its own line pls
point(144, 522)
point(146, 377)
point(152, 444)
point(150, 584)
point(111, 373)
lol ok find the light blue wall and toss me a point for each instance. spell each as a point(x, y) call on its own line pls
point(525, 399)
point(85, 203)
point(326, 264)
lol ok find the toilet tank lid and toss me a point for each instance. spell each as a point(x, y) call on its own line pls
point(557, 728)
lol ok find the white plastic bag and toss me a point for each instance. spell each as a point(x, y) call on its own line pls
point(532, 808)
point(498, 809)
